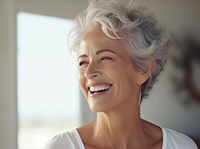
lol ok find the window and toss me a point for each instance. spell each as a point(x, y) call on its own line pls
point(48, 90)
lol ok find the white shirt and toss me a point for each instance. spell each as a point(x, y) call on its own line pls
point(72, 140)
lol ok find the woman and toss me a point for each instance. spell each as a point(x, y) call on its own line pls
point(121, 52)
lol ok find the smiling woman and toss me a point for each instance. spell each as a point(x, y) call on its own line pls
point(121, 52)
point(111, 68)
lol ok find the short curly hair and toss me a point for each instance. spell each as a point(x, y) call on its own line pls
point(141, 34)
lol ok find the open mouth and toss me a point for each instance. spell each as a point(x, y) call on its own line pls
point(100, 88)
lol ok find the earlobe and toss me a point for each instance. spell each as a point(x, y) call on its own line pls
point(144, 75)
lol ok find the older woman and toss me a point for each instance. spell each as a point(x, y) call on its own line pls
point(121, 52)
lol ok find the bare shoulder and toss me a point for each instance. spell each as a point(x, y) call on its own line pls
point(153, 130)
point(154, 135)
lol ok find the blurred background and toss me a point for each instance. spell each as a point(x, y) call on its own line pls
point(39, 91)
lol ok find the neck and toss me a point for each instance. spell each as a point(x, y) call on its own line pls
point(123, 126)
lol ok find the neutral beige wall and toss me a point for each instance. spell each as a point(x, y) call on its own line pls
point(8, 118)
point(178, 15)
point(61, 8)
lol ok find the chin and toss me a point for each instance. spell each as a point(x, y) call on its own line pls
point(96, 109)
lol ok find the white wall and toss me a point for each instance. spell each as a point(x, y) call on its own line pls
point(163, 107)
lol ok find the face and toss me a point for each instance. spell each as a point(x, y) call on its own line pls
point(107, 76)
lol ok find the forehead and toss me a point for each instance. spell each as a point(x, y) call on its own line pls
point(95, 39)
point(94, 31)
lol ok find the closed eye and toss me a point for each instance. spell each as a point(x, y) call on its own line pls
point(105, 58)
point(81, 63)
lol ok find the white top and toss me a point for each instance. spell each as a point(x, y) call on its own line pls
point(72, 140)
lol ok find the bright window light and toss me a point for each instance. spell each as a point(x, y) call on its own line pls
point(48, 92)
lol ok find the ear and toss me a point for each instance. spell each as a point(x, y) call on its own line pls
point(145, 74)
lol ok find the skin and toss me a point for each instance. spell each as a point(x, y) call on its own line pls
point(105, 62)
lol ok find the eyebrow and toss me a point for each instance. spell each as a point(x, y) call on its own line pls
point(98, 52)
point(104, 50)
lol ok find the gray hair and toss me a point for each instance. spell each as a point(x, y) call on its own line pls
point(135, 26)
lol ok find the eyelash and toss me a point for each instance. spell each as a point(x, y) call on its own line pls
point(82, 62)
point(105, 58)
point(101, 59)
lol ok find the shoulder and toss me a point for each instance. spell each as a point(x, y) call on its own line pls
point(62, 141)
point(175, 140)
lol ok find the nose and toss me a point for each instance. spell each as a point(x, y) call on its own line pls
point(92, 71)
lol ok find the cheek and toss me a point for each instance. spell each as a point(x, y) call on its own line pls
point(81, 81)
point(81, 75)
point(81, 72)
point(126, 79)
point(82, 86)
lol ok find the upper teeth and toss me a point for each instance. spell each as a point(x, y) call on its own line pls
point(99, 88)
